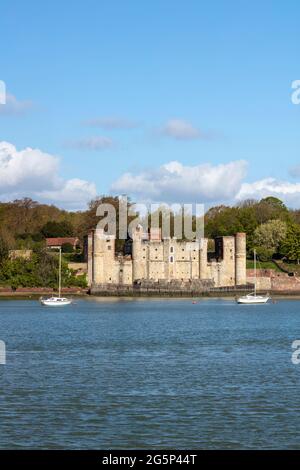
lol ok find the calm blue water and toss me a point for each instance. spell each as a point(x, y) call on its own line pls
point(149, 374)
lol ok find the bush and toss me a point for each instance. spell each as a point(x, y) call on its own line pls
point(39, 271)
point(67, 248)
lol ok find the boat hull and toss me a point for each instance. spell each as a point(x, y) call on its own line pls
point(253, 300)
point(55, 303)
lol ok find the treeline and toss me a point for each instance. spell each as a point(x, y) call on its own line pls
point(271, 228)
point(26, 223)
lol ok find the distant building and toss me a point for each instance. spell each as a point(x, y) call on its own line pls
point(57, 242)
point(154, 259)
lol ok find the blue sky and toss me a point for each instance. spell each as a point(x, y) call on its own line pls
point(103, 95)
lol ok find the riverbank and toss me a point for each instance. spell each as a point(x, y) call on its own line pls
point(84, 293)
point(36, 292)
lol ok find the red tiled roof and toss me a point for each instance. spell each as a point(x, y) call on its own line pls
point(58, 241)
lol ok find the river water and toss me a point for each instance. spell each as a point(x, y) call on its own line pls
point(131, 374)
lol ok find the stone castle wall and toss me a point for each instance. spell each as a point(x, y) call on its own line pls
point(166, 260)
point(271, 280)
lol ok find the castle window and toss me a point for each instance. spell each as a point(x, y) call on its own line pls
point(109, 247)
point(172, 249)
point(171, 259)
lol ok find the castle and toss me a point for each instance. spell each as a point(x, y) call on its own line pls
point(156, 260)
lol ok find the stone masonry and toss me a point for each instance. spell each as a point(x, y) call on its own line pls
point(168, 261)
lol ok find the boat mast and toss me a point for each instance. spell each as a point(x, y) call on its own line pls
point(255, 272)
point(59, 274)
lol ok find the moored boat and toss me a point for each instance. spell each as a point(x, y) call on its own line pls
point(56, 301)
point(253, 298)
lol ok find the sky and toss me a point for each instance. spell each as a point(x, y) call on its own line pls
point(165, 100)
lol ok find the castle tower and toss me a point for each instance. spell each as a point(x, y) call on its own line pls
point(225, 254)
point(240, 259)
point(103, 257)
point(139, 254)
point(203, 258)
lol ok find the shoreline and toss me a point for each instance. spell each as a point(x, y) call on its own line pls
point(143, 296)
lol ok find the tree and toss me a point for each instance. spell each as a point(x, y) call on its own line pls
point(267, 238)
point(290, 246)
point(57, 229)
point(271, 208)
point(3, 249)
point(274, 202)
point(67, 248)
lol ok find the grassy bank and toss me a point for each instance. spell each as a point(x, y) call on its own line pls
point(262, 265)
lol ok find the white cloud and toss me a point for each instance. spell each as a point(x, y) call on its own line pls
point(174, 182)
point(31, 172)
point(91, 143)
point(112, 123)
point(71, 192)
point(14, 107)
point(284, 190)
point(180, 130)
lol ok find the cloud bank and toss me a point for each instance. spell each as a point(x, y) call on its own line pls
point(174, 182)
point(205, 183)
point(33, 173)
point(288, 192)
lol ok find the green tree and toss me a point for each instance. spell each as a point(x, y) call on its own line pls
point(267, 238)
point(3, 249)
point(39, 271)
point(57, 229)
point(271, 208)
point(67, 248)
point(290, 246)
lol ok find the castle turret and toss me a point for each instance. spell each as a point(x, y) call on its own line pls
point(104, 256)
point(240, 259)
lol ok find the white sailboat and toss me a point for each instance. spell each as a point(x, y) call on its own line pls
point(56, 301)
point(253, 298)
